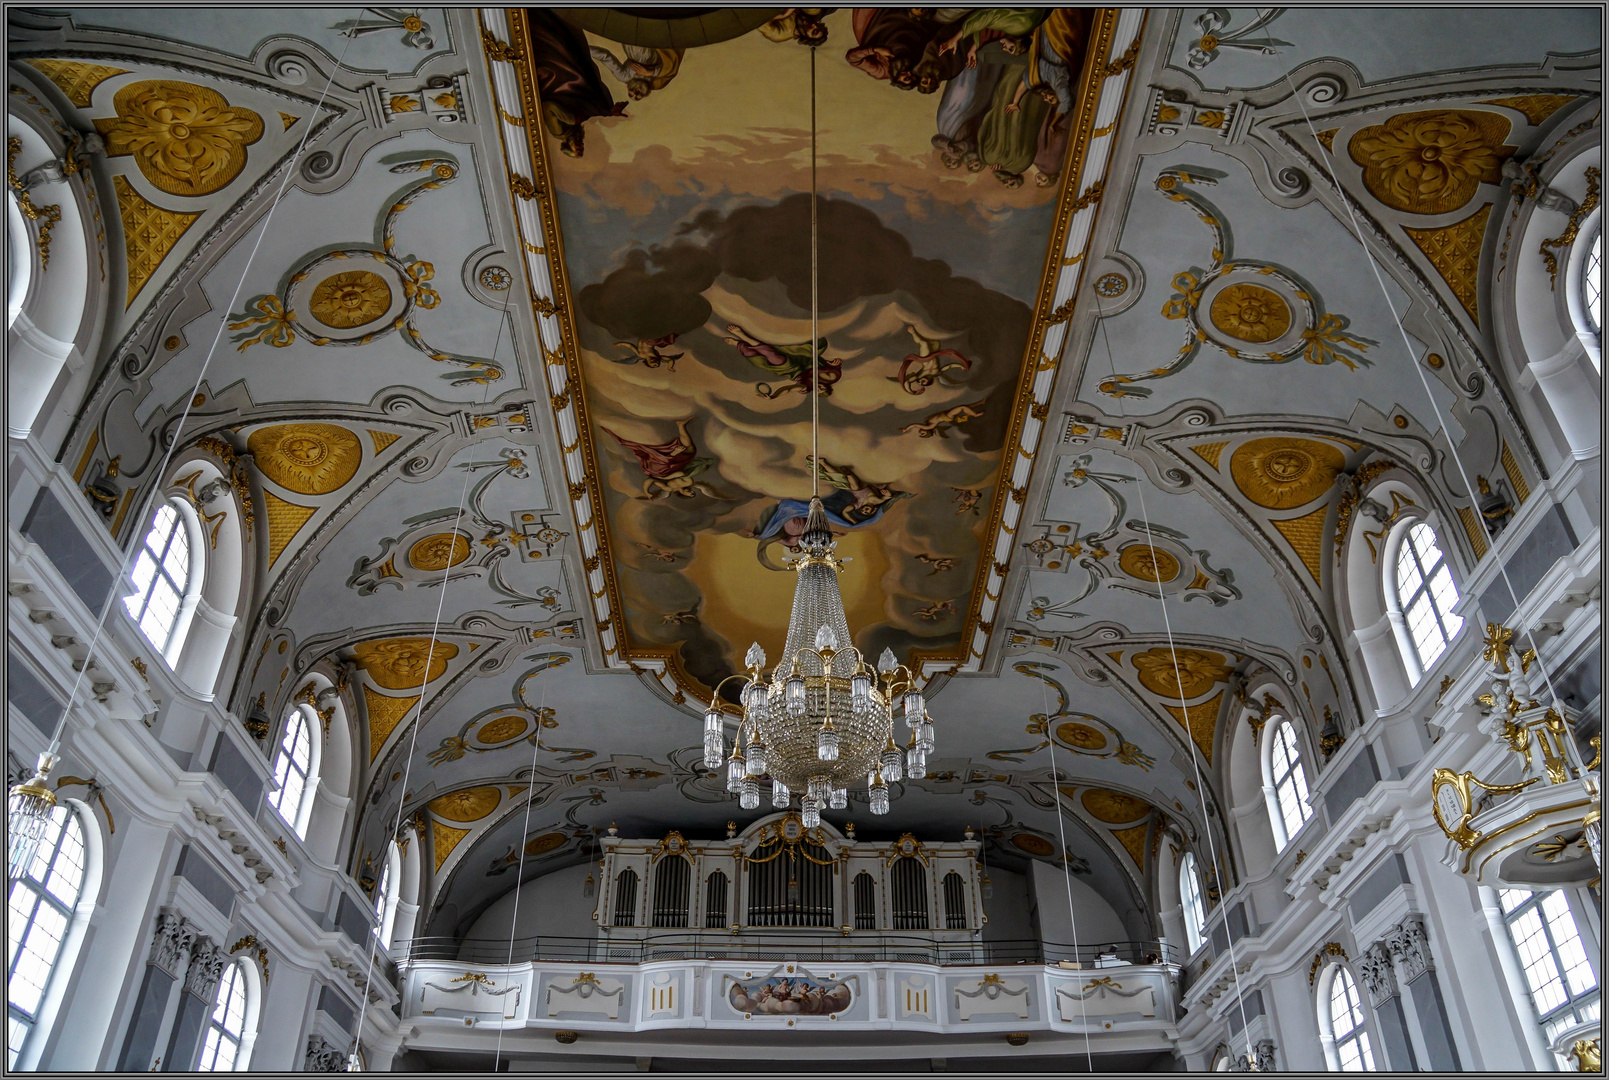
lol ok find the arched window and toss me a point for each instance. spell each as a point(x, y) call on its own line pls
point(161, 577)
point(386, 895)
point(1426, 593)
point(226, 1027)
point(41, 905)
point(1592, 282)
point(1346, 1024)
point(292, 766)
point(1563, 987)
point(1195, 914)
point(1289, 783)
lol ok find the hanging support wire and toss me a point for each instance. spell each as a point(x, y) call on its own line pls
point(519, 874)
point(1067, 869)
point(37, 797)
point(815, 282)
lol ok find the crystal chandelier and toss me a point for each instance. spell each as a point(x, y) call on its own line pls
point(28, 809)
point(824, 718)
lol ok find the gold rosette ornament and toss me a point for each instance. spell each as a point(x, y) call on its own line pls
point(186, 139)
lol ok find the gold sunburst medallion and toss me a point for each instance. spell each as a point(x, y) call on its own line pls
point(1148, 563)
point(1283, 473)
point(1251, 313)
point(350, 299)
point(439, 551)
point(501, 730)
point(1081, 736)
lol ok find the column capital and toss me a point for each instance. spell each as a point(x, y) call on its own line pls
point(1379, 977)
point(207, 962)
point(174, 937)
point(1410, 947)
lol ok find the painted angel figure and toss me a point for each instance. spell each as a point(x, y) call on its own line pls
point(853, 503)
point(670, 467)
point(651, 351)
point(792, 362)
point(642, 70)
point(807, 26)
point(928, 365)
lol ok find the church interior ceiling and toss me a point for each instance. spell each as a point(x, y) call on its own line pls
point(522, 348)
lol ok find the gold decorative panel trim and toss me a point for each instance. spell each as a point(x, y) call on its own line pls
point(1455, 252)
point(1198, 671)
point(1209, 451)
point(186, 139)
point(1306, 535)
point(1200, 721)
point(385, 713)
point(1133, 841)
point(1431, 162)
point(75, 78)
point(382, 439)
point(443, 838)
point(285, 520)
point(1114, 807)
point(1473, 529)
point(468, 804)
point(1522, 490)
point(1536, 108)
point(1327, 139)
point(149, 233)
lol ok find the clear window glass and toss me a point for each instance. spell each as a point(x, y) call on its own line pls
point(1592, 282)
point(1290, 782)
point(39, 909)
point(1195, 914)
point(221, 1051)
point(161, 573)
point(291, 766)
point(1564, 988)
point(1346, 1022)
point(1427, 594)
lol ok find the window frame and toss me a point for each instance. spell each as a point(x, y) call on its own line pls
point(234, 977)
point(1413, 654)
point(1577, 317)
point(1275, 784)
point(387, 893)
point(1357, 1034)
point(303, 812)
point(1577, 1007)
point(59, 980)
point(1192, 903)
point(189, 590)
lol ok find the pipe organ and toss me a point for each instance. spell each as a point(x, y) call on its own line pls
point(778, 876)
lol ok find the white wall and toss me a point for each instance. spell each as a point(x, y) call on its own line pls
point(1098, 923)
point(550, 904)
point(1008, 909)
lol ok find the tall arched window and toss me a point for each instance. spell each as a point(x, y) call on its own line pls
point(1289, 783)
point(1592, 282)
point(1563, 986)
point(292, 766)
point(1195, 914)
point(226, 1027)
point(386, 895)
point(1346, 1024)
point(1426, 593)
point(40, 908)
point(161, 577)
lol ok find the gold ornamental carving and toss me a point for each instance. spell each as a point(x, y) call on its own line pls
point(1455, 251)
point(149, 233)
point(541, 845)
point(439, 551)
point(350, 299)
point(1283, 473)
point(443, 838)
point(1081, 736)
point(1197, 672)
point(186, 139)
point(1133, 841)
point(384, 713)
point(1305, 535)
point(75, 78)
point(1114, 807)
point(404, 663)
point(285, 520)
point(1536, 108)
point(1431, 162)
point(468, 804)
point(1248, 312)
point(1201, 721)
point(501, 730)
point(1148, 563)
point(309, 459)
point(1033, 845)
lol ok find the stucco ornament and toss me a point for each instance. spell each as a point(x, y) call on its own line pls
point(352, 298)
point(1431, 162)
point(402, 663)
point(1282, 473)
point(309, 459)
point(186, 139)
point(1250, 313)
point(1198, 671)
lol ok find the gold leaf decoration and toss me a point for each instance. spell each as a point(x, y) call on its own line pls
point(309, 459)
point(1199, 720)
point(149, 233)
point(1522, 490)
point(1081, 736)
point(439, 551)
point(401, 663)
point(1327, 139)
point(381, 440)
point(443, 838)
point(1133, 840)
point(501, 730)
point(1114, 807)
point(1282, 473)
point(350, 299)
point(466, 804)
point(1431, 162)
point(285, 520)
point(1198, 671)
point(1473, 530)
point(1248, 312)
point(1536, 108)
point(1146, 563)
point(1306, 536)
point(385, 713)
point(75, 78)
point(1209, 451)
point(1455, 251)
point(541, 845)
point(1033, 845)
point(287, 119)
point(186, 139)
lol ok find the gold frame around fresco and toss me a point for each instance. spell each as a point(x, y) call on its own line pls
point(1095, 71)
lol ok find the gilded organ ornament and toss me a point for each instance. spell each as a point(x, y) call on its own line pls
point(1256, 311)
point(1431, 162)
point(349, 299)
point(186, 139)
point(1282, 473)
point(309, 459)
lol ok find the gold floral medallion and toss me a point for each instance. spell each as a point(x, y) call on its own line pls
point(1198, 672)
point(186, 139)
point(350, 299)
point(501, 730)
point(1147, 563)
point(1114, 807)
point(1081, 736)
point(1033, 845)
point(1249, 312)
point(403, 663)
point(1431, 162)
point(1283, 473)
point(469, 804)
point(439, 551)
point(309, 459)
point(541, 845)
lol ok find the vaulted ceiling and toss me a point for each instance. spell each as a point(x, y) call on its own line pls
point(512, 347)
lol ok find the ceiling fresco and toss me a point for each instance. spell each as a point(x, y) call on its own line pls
point(519, 362)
